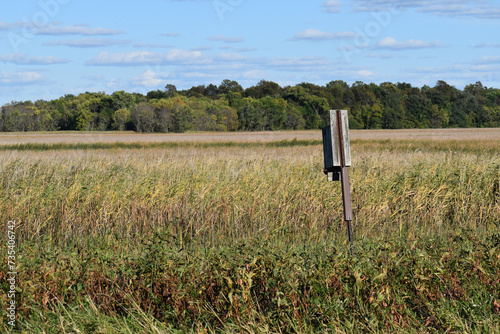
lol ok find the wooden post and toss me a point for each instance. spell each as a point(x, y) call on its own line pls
point(337, 154)
point(344, 177)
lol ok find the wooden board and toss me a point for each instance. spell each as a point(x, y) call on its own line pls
point(335, 138)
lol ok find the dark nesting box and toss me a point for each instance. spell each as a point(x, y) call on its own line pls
point(331, 170)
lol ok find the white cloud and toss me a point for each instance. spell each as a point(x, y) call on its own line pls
point(138, 58)
point(171, 34)
point(318, 35)
point(255, 74)
point(391, 43)
point(126, 58)
point(297, 63)
point(152, 45)
point(226, 39)
point(384, 56)
point(229, 56)
point(196, 75)
point(246, 49)
point(462, 70)
point(487, 45)
point(113, 83)
point(489, 60)
point(87, 43)
point(183, 56)
point(485, 9)
point(96, 77)
point(148, 79)
point(76, 30)
point(332, 6)
point(52, 29)
point(23, 59)
point(365, 73)
point(20, 78)
point(485, 67)
point(6, 26)
point(202, 48)
point(456, 74)
point(480, 11)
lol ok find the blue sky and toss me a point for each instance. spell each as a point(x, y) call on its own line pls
point(49, 48)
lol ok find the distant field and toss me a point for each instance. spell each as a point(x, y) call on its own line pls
point(241, 232)
point(129, 137)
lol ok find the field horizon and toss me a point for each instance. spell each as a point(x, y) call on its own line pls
point(72, 137)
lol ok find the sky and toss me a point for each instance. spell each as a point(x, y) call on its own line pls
point(49, 48)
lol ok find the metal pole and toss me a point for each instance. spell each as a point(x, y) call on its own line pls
point(346, 190)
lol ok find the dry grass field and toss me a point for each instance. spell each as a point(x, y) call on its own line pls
point(213, 237)
point(72, 137)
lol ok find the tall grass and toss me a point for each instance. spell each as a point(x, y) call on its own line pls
point(152, 145)
point(224, 237)
point(472, 146)
point(231, 193)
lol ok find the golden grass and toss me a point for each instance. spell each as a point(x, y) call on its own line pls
point(230, 193)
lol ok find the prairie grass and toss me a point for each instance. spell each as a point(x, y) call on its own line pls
point(79, 137)
point(92, 137)
point(245, 191)
point(152, 145)
point(249, 237)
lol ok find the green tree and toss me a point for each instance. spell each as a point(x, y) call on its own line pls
point(363, 94)
point(372, 116)
point(233, 99)
point(211, 91)
point(229, 118)
point(356, 116)
point(120, 119)
point(84, 120)
point(227, 86)
point(181, 119)
point(87, 107)
point(122, 100)
point(417, 109)
point(170, 90)
point(494, 114)
point(337, 89)
point(275, 110)
point(156, 95)
point(294, 119)
point(196, 91)
point(143, 117)
point(163, 115)
point(264, 88)
point(14, 122)
point(251, 115)
point(393, 116)
point(315, 110)
point(463, 110)
point(441, 94)
point(438, 117)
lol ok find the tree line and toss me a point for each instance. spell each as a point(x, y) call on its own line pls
point(265, 106)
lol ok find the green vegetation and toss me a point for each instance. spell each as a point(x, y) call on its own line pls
point(266, 106)
point(151, 145)
point(248, 237)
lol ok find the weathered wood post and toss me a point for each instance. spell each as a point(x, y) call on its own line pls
point(337, 156)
